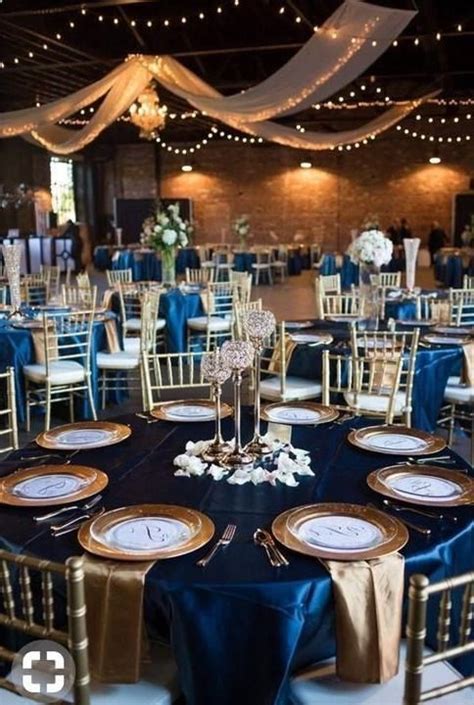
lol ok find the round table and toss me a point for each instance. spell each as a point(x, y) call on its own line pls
point(239, 627)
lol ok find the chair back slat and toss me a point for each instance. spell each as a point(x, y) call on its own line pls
point(461, 303)
point(119, 276)
point(444, 620)
point(170, 371)
point(82, 296)
point(240, 311)
point(47, 599)
point(8, 411)
point(26, 594)
point(200, 276)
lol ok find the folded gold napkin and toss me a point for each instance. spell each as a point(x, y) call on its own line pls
point(39, 346)
point(368, 599)
point(114, 600)
point(113, 343)
point(275, 364)
point(467, 374)
point(207, 301)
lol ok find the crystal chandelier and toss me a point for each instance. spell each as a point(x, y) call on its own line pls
point(147, 115)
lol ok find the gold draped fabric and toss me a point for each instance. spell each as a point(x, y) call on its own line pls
point(342, 49)
point(114, 599)
point(368, 598)
point(467, 375)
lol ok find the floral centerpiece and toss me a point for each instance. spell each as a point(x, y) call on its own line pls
point(370, 251)
point(241, 228)
point(165, 231)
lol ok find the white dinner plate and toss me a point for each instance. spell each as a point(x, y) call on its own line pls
point(339, 533)
point(146, 534)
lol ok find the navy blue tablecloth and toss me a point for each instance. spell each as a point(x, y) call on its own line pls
point(102, 258)
point(450, 270)
point(176, 308)
point(146, 266)
point(239, 628)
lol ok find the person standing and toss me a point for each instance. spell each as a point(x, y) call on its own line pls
point(436, 239)
point(405, 231)
point(467, 236)
point(393, 231)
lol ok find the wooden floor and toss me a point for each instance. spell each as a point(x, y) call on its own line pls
point(292, 299)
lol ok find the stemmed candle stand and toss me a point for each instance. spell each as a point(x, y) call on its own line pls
point(238, 355)
point(216, 371)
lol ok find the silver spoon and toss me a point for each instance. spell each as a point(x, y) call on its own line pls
point(146, 418)
point(52, 515)
point(421, 512)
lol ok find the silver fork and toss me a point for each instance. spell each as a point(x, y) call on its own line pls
point(146, 418)
point(49, 455)
point(225, 540)
point(76, 523)
point(75, 507)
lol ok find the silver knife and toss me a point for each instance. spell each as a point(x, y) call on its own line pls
point(75, 523)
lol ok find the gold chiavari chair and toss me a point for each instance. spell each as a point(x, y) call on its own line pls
point(62, 367)
point(459, 399)
point(262, 265)
point(243, 282)
point(119, 276)
point(35, 289)
point(205, 257)
point(8, 411)
point(389, 346)
point(276, 384)
point(280, 264)
point(80, 296)
point(468, 282)
point(39, 585)
point(461, 303)
point(218, 323)
point(53, 274)
point(392, 280)
point(83, 280)
point(223, 262)
point(131, 299)
point(423, 666)
point(365, 386)
point(162, 372)
point(329, 285)
point(240, 311)
point(339, 305)
point(200, 276)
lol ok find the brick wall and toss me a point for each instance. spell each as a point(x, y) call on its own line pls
point(390, 177)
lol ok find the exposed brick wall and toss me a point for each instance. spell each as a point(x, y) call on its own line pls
point(390, 177)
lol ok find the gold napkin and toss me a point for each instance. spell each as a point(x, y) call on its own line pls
point(467, 374)
point(114, 599)
point(207, 301)
point(39, 346)
point(113, 343)
point(275, 364)
point(368, 599)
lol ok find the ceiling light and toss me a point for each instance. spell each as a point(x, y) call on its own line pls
point(305, 164)
point(187, 168)
point(435, 158)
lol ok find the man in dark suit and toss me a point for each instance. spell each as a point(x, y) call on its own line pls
point(436, 239)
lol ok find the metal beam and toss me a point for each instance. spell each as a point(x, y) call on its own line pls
point(75, 6)
point(133, 29)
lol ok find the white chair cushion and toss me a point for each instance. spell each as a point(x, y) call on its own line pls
point(216, 324)
point(370, 402)
point(453, 381)
point(134, 324)
point(122, 360)
point(460, 394)
point(60, 372)
point(262, 266)
point(332, 691)
point(158, 685)
point(296, 388)
point(132, 345)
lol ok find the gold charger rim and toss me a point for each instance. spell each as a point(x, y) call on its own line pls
point(98, 481)
point(461, 340)
point(94, 546)
point(45, 439)
point(331, 413)
point(323, 338)
point(159, 411)
point(437, 443)
point(399, 535)
point(375, 481)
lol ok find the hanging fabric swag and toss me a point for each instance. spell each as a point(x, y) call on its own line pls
point(342, 49)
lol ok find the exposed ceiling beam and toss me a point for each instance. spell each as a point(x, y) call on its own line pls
point(133, 29)
point(75, 6)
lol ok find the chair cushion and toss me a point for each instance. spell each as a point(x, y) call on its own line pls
point(60, 372)
point(132, 346)
point(134, 324)
point(158, 685)
point(122, 360)
point(459, 393)
point(332, 691)
point(296, 388)
point(370, 402)
point(216, 324)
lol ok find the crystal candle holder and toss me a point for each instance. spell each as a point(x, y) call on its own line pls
point(237, 355)
point(12, 258)
point(216, 371)
point(258, 325)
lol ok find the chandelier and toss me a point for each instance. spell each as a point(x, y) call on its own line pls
point(147, 115)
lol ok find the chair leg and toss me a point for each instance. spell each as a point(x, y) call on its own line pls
point(71, 407)
point(452, 409)
point(28, 408)
point(91, 398)
point(103, 385)
point(47, 420)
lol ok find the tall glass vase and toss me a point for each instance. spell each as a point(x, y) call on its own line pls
point(411, 247)
point(168, 267)
point(12, 258)
point(369, 295)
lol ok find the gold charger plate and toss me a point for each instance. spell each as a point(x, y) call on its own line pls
point(164, 412)
point(379, 481)
point(389, 534)
point(325, 414)
point(92, 535)
point(445, 340)
point(99, 433)
point(377, 440)
point(92, 481)
point(311, 338)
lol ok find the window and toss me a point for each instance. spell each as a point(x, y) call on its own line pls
point(62, 189)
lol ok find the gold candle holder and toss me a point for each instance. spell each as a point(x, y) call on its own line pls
point(238, 355)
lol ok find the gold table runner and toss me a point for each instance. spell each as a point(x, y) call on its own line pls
point(467, 374)
point(368, 599)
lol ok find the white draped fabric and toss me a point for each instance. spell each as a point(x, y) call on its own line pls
point(351, 39)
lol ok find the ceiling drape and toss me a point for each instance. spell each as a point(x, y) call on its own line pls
point(343, 48)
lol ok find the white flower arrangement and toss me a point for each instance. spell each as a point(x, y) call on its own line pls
point(166, 230)
point(371, 247)
point(241, 227)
